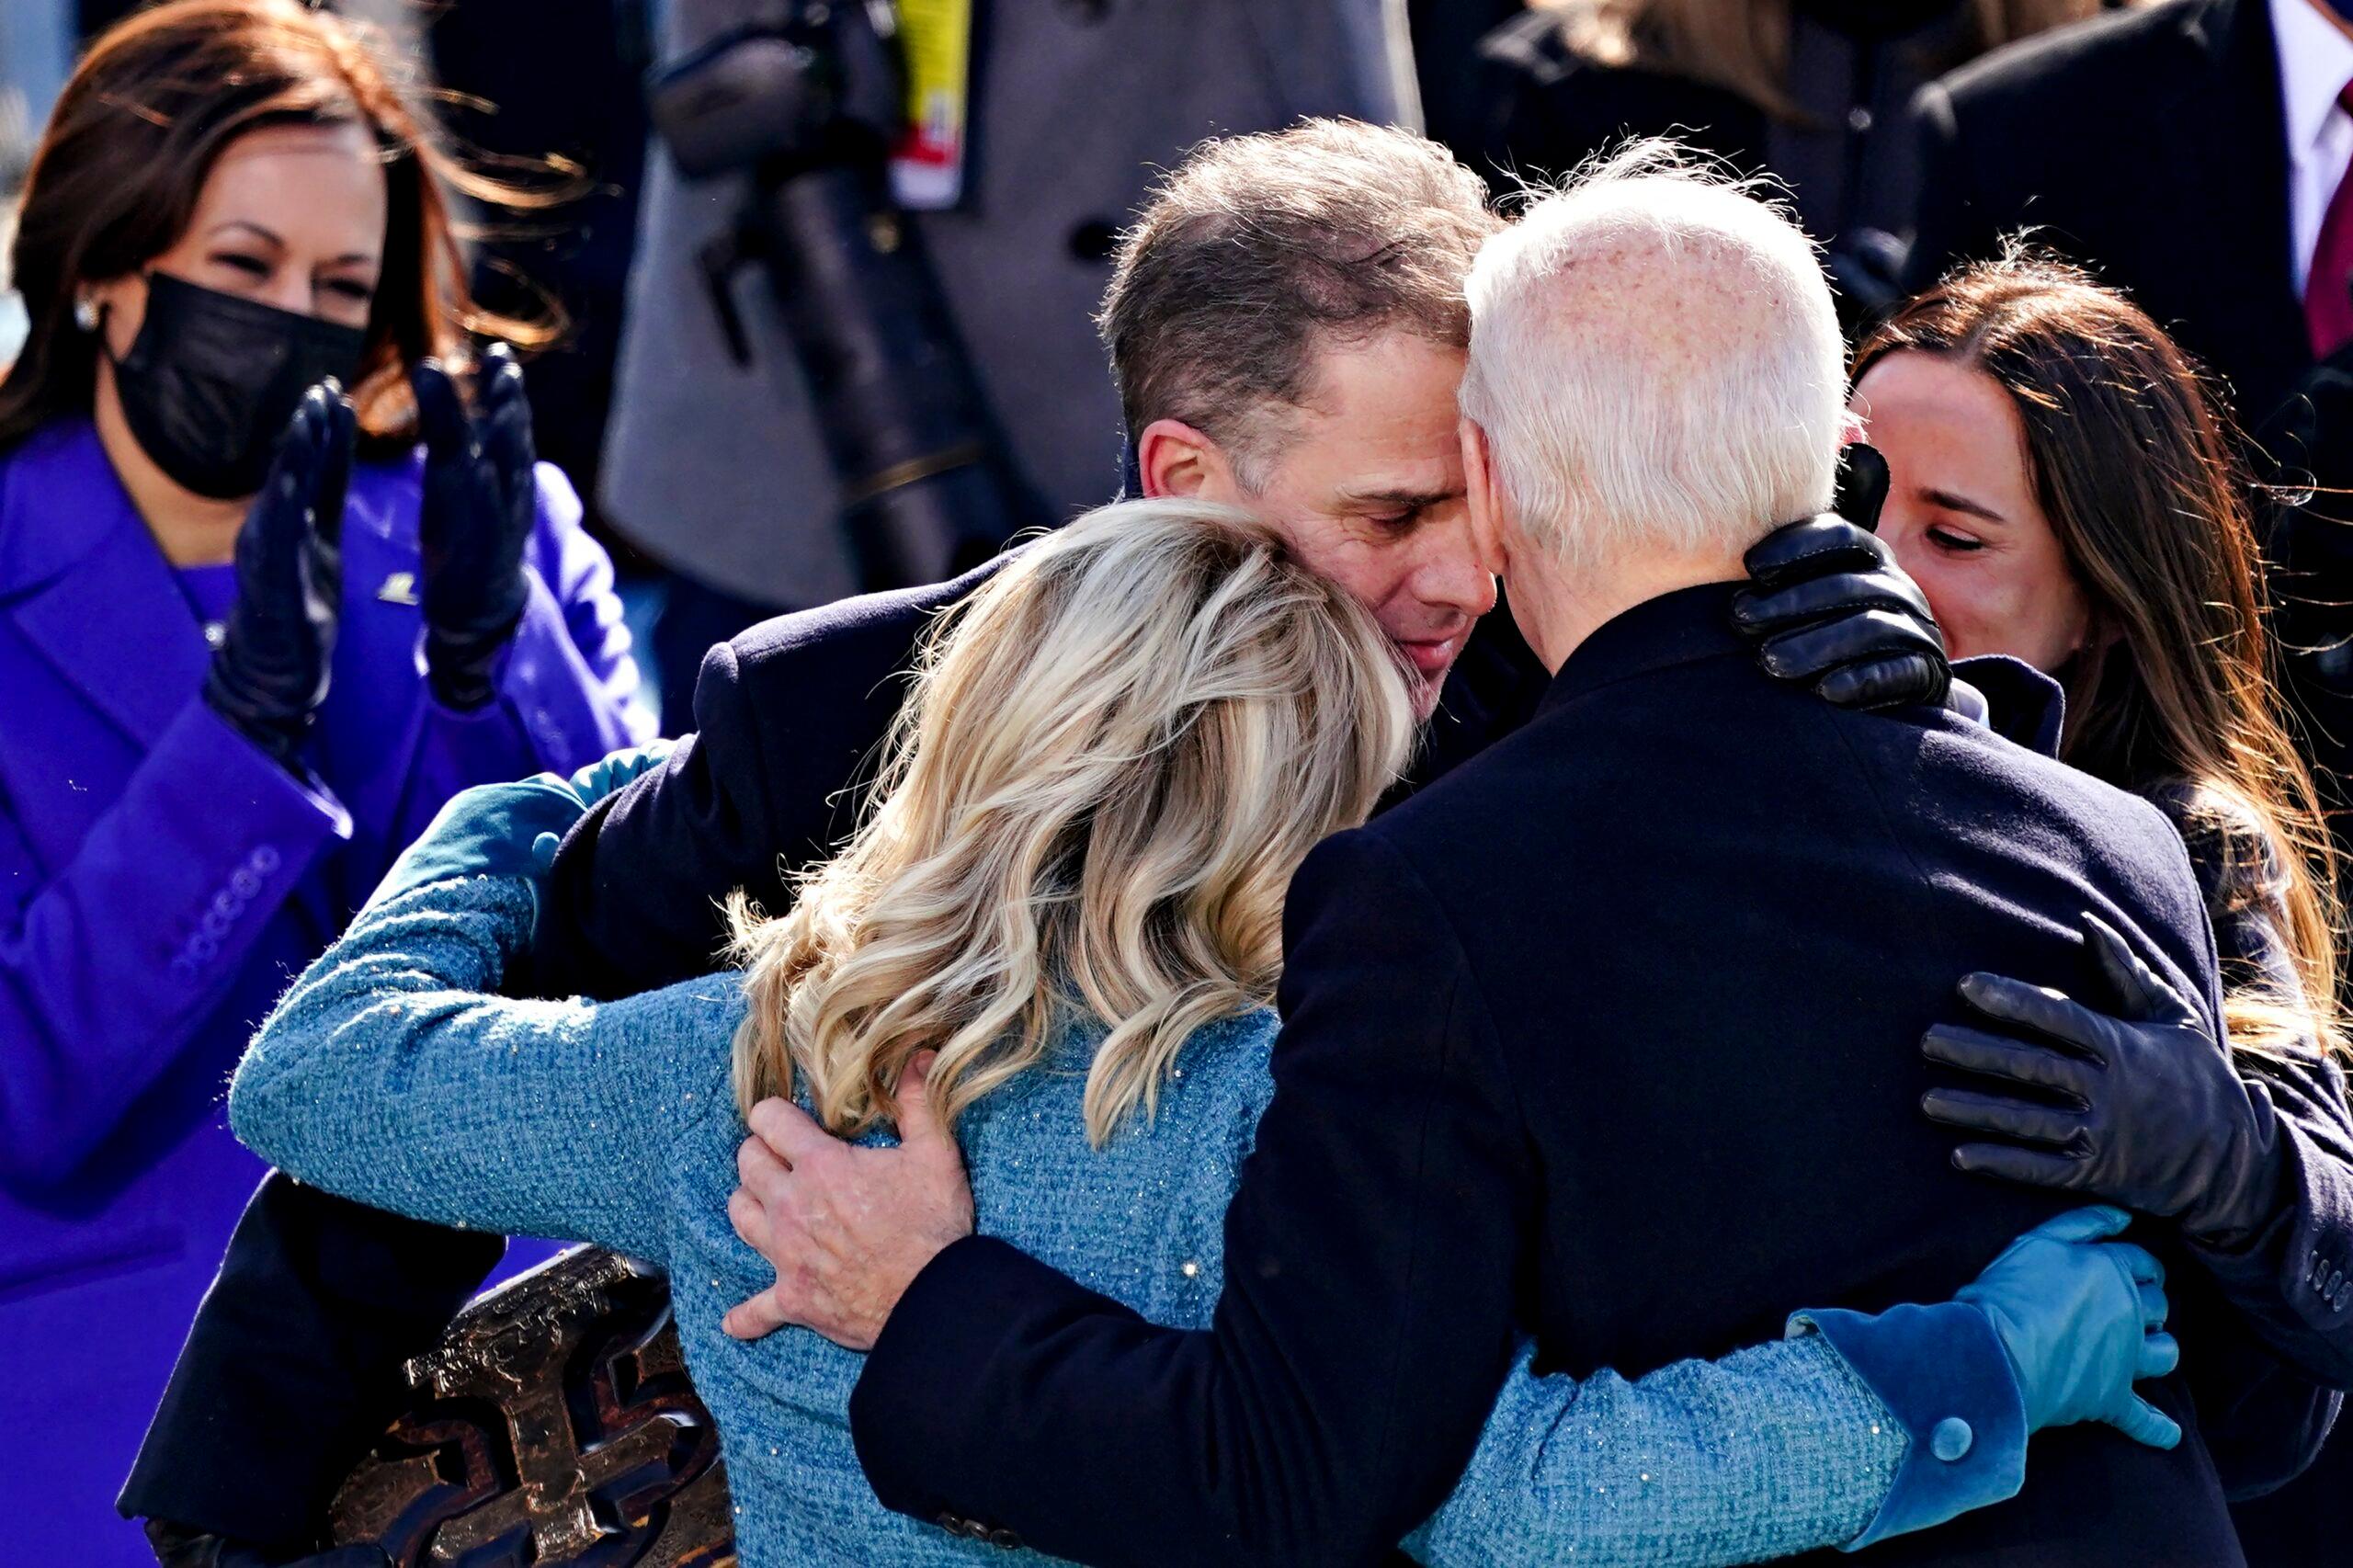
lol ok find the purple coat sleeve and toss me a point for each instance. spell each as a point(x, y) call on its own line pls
point(568, 684)
point(110, 968)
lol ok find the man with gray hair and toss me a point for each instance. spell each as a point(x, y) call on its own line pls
point(1610, 1037)
point(1656, 380)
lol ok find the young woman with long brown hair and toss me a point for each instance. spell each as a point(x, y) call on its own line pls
point(250, 639)
point(2065, 491)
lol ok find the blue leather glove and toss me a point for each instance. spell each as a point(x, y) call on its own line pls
point(269, 674)
point(2153, 1114)
point(610, 775)
point(1829, 607)
point(481, 502)
point(2082, 1324)
point(2054, 1331)
point(490, 830)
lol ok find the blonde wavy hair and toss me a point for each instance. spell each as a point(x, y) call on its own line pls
point(1115, 755)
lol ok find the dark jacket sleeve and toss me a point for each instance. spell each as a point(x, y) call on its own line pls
point(1365, 1325)
point(292, 1360)
point(2265, 1376)
point(633, 901)
point(789, 721)
point(2293, 1279)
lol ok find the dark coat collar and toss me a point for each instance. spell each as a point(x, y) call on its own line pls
point(1676, 628)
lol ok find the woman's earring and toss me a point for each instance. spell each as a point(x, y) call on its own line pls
point(86, 313)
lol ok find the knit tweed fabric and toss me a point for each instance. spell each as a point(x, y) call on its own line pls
point(391, 1074)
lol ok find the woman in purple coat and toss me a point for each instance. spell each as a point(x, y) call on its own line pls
point(252, 635)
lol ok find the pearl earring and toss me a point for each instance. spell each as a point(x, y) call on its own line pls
point(86, 313)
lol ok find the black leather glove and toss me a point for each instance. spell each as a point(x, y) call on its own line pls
point(2141, 1108)
point(481, 499)
point(1831, 609)
point(270, 672)
point(182, 1546)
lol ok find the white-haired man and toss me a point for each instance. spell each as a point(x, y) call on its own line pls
point(1609, 1038)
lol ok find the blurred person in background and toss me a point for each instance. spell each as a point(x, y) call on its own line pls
point(716, 470)
point(1446, 36)
point(1798, 88)
point(520, 82)
point(35, 54)
point(2191, 154)
point(252, 635)
point(2067, 492)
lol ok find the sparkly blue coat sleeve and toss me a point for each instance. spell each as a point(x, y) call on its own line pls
point(394, 1075)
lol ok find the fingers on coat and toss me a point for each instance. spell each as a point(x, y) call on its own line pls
point(2093, 1222)
point(2160, 1355)
point(790, 1133)
point(763, 1314)
point(2008, 1161)
point(2051, 1014)
point(2002, 1115)
point(2138, 989)
point(2145, 1424)
point(2001, 1056)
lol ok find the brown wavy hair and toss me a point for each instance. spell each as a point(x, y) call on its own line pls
point(2136, 464)
point(135, 134)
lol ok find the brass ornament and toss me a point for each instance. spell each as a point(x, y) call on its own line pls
point(553, 1425)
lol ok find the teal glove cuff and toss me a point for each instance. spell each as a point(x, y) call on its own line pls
point(610, 775)
point(1942, 1374)
point(490, 830)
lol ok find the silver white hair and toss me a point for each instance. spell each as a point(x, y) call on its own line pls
point(1655, 360)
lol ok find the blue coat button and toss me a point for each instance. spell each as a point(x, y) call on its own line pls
point(265, 859)
point(1950, 1440)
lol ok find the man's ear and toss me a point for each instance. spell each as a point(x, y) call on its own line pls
point(1486, 497)
point(1177, 459)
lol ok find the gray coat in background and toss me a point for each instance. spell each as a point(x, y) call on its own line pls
point(717, 469)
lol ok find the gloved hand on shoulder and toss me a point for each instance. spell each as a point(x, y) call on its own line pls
point(1830, 609)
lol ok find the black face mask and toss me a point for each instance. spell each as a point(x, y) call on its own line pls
point(212, 380)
